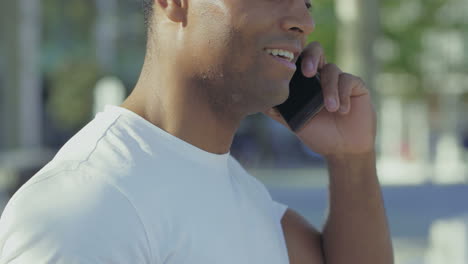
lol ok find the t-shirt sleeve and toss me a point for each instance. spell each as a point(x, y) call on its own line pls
point(278, 209)
point(53, 223)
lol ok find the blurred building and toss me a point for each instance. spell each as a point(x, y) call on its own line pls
point(448, 241)
point(20, 75)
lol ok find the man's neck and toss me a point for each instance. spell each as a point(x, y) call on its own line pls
point(180, 110)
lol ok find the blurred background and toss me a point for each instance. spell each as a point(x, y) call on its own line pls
point(62, 61)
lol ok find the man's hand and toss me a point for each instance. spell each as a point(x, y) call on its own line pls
point(345, 127)
point(356, 230)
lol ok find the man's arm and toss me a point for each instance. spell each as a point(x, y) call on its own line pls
point(356, 230)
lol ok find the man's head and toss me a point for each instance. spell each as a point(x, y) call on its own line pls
point(218, 47)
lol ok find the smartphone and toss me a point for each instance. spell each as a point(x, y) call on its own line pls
point(305, 99)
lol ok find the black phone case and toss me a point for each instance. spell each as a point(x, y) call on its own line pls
point(305, 99)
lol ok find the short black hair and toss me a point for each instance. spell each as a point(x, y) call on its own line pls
point(147, 6)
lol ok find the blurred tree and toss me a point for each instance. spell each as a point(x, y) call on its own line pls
point(71, 59)
point(414, 41)
point(71, 93)
point(67, 32)
point(67, 46)
point(323, 12)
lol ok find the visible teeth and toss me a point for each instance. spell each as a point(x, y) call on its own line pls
point(275, 52)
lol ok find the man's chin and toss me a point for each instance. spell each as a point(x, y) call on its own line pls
point(281, 94)
point(271, 96)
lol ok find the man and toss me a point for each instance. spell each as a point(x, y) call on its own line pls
point(152, 181)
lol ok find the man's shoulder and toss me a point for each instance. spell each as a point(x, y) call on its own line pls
point(65, 212)
point(83, 143)
point(63, 191)
point(248, 180)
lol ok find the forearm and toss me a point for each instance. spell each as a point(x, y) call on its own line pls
point(356, 230)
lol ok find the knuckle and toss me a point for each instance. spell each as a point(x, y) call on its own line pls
point(356, 80)
point(309, 48)
point(360, 81)
point(329, 67)
point(336, 68)
point(347, 76)
point(313, 48)
point(317, 45)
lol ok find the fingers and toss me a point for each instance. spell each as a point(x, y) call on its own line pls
point(312, 59)
point(345, 87)
point(330, 74)
point(338, 88)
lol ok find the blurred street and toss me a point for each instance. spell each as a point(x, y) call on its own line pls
point(410, 228)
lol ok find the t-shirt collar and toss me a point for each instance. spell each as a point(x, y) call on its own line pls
point(172, 142)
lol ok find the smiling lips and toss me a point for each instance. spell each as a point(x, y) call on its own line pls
point(283, 56)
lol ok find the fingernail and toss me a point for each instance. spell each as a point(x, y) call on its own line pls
point(331, 103)
point(309, 67)
point(342, 109)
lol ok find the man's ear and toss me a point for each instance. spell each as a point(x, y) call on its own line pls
point(175, 10)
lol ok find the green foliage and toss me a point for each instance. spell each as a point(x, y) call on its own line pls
point(67, 50)
point(325, 32)
point(71, 93)
point(405, 25)
point(404, 22)
point(67, 31)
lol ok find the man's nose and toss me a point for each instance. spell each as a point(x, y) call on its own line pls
point(299, 19)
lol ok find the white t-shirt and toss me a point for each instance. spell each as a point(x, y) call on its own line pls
point(125, 191)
